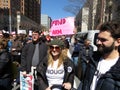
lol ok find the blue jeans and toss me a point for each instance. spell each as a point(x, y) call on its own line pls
point(75, 61)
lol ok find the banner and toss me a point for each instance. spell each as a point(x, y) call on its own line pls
point(64, 26)
point(26, 83)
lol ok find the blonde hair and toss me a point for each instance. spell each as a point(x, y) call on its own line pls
point(62, 58)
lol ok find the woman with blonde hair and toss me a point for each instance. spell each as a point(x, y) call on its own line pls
point(56, 71)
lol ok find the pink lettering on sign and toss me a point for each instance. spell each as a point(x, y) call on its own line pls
point(57, 31)
point(58, 22)
point(63, 26)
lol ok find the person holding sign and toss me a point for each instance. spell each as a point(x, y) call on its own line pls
point(32, 54)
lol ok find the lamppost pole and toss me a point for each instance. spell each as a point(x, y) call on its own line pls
point(18, 21)
point(10, 18)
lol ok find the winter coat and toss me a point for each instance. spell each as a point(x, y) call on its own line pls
point(42, 79)
point(84, 59)
point(17, 45)
point(108, 81)
point(82, 53)
point(27, 55)
point(5, 65)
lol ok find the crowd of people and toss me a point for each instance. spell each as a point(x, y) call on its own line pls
point(56, 61)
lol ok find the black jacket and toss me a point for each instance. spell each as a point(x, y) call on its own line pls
point(82, 53)
point(108, 81)
point(42, 79)
point(27, 55)
point(84, 58)
point(5, 65)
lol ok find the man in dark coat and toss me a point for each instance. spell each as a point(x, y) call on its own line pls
point(86, 51)
point(33, 53)
point(103, 71)
point(29, 50)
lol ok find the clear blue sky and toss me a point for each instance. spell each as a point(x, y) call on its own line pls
point(54, 8)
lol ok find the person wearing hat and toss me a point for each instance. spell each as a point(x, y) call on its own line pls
point(56, 72)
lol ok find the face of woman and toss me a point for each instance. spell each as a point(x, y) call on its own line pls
point(55, 50)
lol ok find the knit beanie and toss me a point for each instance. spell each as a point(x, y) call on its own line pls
point(58, 42)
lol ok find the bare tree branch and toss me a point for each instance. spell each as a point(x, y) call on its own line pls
point(74, 6)
point(116, 10)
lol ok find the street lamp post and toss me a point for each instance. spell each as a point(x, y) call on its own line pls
point(10, 20)
point(18, 21)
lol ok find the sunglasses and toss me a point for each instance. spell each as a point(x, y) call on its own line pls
point(57, 48)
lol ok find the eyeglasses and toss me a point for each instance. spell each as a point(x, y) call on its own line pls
point(102, 39)
point(57, 48)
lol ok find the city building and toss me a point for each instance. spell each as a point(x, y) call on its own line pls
point(28, 11)
point(45, 23)
point(46, 20)
point(93, 13)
